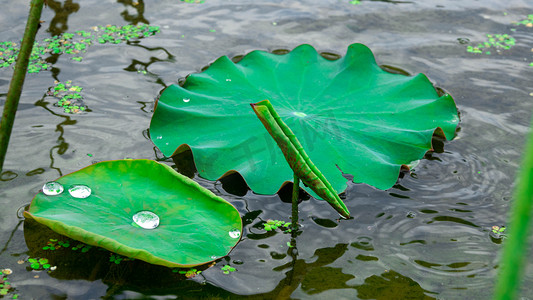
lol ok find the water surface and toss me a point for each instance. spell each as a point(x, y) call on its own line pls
point(428, 236)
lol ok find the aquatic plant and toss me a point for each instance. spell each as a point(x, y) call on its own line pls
point(68, 97)
point(298, 160)
point(350, 116)
point(494, 41)
point(19, 75)
point(527, 22)
point(74, 44)
point(139, 209)
point(117, 258)
point(515, 250)
point(54, 244)
point(497, 229)
point(226, 269)
point(275, 224)
point(6, 287)
point(39, 263)
point(189, 273)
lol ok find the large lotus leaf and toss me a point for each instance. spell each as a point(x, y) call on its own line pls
point(195, 226)
point(349, 114)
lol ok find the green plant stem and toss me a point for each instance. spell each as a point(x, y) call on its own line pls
point(19, 74)
point(515, 246)
point(295, 196)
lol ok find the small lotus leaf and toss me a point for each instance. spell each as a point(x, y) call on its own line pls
point(349, 115)
point(195, 226)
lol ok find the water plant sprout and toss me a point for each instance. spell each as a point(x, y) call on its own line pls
point(298, 160)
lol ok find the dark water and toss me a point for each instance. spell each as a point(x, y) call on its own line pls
point(427, 237)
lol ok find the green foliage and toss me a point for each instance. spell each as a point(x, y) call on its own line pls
point(498, 229)
point(208, 226)
point(117, 258)
point(297, 157)
point(189, 273)
point(228, 269)
point(494, 41)
point(348, 114)
point(54, 244)
point(74, 44)
point(39, 263)
point(271, 225)
point(527, 22)
point(355, 2)
point(68, 97)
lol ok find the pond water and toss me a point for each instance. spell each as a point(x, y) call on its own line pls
point(430, 236)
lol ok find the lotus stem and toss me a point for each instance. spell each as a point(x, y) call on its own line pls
point(295, 196)
point(515, 246)
point(296, 156)
point(19, 74)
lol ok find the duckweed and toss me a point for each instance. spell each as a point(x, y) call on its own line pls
point(117, 258)
point(228, 269)
point(74, 44)
point(6, 287)
point(494, 41)
point(271, 225)
point(68, 97)
point(189, 273)
point(527, 22)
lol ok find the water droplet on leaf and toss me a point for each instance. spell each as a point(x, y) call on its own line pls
point(52, 188)
point(235, 233)
point(79, 191)
point(146, 219)
point(186, 99)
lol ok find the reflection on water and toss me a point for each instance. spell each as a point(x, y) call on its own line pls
point(138, 7)
point(62, 11)
point(427, 237)
point(391, 285)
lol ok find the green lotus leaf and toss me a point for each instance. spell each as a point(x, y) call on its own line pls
point(349, 115)
point(195, 226)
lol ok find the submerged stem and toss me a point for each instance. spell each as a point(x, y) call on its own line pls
point(295, 196)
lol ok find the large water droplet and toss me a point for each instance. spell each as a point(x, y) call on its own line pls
point(146, 219)
point(235, 233)
point(79, 191)
point(186, 100)
point(52, 188)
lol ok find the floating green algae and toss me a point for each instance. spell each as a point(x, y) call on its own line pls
point(74, 44)
point(68, 97)
point(527, 22)
point(494, 41)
